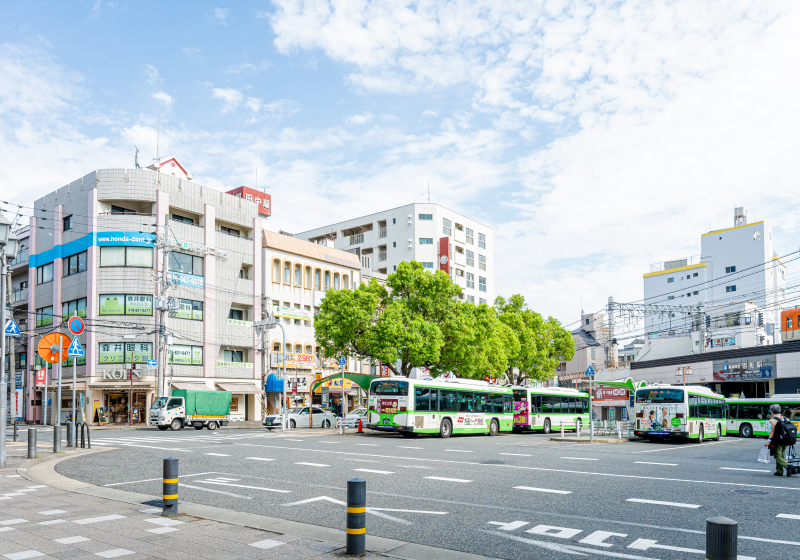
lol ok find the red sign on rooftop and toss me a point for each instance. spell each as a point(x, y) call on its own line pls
point(263, 200)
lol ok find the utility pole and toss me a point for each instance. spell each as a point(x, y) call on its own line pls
point(9, 249)
point(162, 285)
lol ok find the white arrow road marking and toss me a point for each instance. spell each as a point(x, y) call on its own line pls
point(244, 486)
point(788, 516)
point(598, 538)
point(568, 549)
point(509, 526)
point(674, 504)
point(551, 531)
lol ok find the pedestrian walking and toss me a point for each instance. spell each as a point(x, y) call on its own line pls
point(778, 440)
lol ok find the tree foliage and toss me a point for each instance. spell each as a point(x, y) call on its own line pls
point(542, 344)
point(416, 320)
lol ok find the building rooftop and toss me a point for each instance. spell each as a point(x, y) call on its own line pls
point(316, 251)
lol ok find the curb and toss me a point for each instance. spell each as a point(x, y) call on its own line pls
point(43, 471)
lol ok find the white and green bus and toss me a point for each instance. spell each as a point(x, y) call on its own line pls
point(544, 409)
point(679, 411)
point(439, 406)
point(750, 417)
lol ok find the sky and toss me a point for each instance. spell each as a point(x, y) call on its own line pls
point(596, 138)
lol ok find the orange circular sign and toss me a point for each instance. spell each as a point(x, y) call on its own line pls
point(52, 339)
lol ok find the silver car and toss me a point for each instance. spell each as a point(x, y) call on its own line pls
point(299, 418)
point(352, 418)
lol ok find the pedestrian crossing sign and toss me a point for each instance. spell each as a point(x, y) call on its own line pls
point(75, 349)
point(12, 329)
point(590, 372)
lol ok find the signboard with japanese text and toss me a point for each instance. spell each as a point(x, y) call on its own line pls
point(722, 342)
point(186, 355)
point(138, 304)
point(293, 360)
point(387, 406)
point(188, 280)
point(753, 368)
point(292, 313)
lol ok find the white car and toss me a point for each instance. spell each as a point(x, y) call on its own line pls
point(352, 418)
point(298, 418)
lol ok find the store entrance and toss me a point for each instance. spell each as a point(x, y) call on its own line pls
point(751, 389)
point(117, 408)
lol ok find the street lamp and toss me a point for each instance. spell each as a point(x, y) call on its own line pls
point(8, 249)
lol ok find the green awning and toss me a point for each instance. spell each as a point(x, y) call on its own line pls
point(359, 379)
point(627, 383)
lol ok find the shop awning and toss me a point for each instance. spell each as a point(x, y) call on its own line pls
point(359, 379)
point(192, 386)
point(240, 388)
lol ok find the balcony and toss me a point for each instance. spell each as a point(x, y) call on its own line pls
point(21, 258)
point(381, 256)
point(356, 239)
point(382, 233)
point(19, 296)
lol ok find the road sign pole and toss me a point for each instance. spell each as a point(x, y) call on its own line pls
point(44, 401)
point(57, 414)
point(74, 438)
point(591, 409)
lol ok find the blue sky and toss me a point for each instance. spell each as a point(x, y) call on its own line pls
point(596, 137)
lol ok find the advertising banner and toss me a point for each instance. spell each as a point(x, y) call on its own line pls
point(521, 413)
point(112, 304)
point(609, 394)
point(40, 375)
point(721, 342)
point(189, 280)
point(293, 360)
point(138, 305)
point(234, 365)
point(388, 406)
point(127, 238)
point(292, 313)
point(444, 254)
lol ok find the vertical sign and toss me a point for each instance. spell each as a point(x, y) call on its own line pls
point(444, 254)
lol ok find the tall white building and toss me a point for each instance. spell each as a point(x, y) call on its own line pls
point(429, 233)
point(736, 266)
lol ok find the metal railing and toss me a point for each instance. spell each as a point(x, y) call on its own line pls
point(19, 295)
point(22, 257)
point(381, 255)
point(357, 238)
point(382, 233)
point(186, 223)
point(239, 235)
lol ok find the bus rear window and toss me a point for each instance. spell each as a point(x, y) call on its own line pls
point(395, 388)
point(659, 396)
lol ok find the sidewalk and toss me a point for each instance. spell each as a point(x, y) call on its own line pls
point(38, 521)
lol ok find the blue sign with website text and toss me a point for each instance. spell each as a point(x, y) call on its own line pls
point(190, 280)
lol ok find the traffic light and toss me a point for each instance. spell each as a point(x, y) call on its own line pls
point(760, 319)
point(708, 321)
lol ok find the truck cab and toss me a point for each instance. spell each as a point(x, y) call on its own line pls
point(168, 412)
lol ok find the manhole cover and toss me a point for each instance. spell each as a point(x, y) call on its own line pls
point(492, 462)
point(751, 492)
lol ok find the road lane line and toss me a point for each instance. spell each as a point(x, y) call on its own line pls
point(409, 447)
point(161, 448)
point(361, 460)
point(259, 459)
point(532, 489)
point(313, 464)
point(447, 479)
point(414, 467)
point(649, 463)
point(217, 454)
point(788, 516)
point(373, 471)
point(457, 451)
point(245, 486)
point(215, 491)
point(368, 444)
point(579, 458)
point(515, 454)
point(748, 470)
point(656, 502)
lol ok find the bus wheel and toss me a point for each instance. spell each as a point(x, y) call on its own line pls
point(494, 428)
point(547, 425)
point(446, 428)
point(700, 438)
point(746, 430)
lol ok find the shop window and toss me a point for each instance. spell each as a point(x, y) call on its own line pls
point(139, 257)
point(186, 263)
point(74, 307)
point(126, 304)
point(44, 273)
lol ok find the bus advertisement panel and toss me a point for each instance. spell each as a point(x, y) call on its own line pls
point(672, 411)
point(545, 409)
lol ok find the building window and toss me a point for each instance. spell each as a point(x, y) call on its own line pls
point(74, 264)
point(233, 356)
point(287, 273)
point(345, 281)
point(67, 220)
point(730, 288)
point(188, 264)
point(482, 262)
point(335, 280)
point(44, 316)
point(482, 283)
point(695, 274)
point(183, 219)
point(276, 271)
point(308, 277)
point(425, 217)
point(125, 352)
point(185, 355)
point(394, 220)
point(298, 275)
point(447, 227)
point(593, 354)
point(236, 314)
point(470, 236)
point(470, 280)
point(471, 299)
point(356, 239)
point(74, 307)
point(427, 264)
point(394, 243)
point(688, 294)
point(459, 272)
point(470, 258)
point(688, 276)
point(44, 273)
point(140, 257)
point(481, 241)
point(426, 240)
point(670, 297)
point(729, 269)
point(187, 309)
point(317, 280)
point(327, 280)
point(481, 301)
point(670, 280)
point(695, 293)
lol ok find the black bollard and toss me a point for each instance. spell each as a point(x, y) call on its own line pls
point(56, 439)
point(70, 431)
point(169, 498)
point(356, 517)
point(722, 538)
point(31, 443)
point(15, 430)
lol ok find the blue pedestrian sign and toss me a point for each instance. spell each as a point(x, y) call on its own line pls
point(75, 349)
point(589, 372)
point(152, 363)
point(342, 361)
point(12, 329)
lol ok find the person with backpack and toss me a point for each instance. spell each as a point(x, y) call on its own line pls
point(782, 435)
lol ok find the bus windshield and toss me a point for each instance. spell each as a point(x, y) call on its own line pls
point(394, 388)
point(658, 396)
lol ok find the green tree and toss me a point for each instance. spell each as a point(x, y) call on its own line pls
point(416, 320)
point(542, 344)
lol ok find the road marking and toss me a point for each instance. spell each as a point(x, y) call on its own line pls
point(552, 531)
point(509, 526)
point(579, 458)
point(150, 510)
point(160, 478)
point(213, 491)
point(71, 540)
point(447, 479)
point(409, 447)
point(335, 442)
point(217, 454)
point(161, 530)
point(414, 467)
point(373, 471)
point(23, 555)
point(565, 548)
point(515, 454)
point(532, 489)
point(748, 470)
point(457, 451)
point(244, 486)
point(164, 522)
point(13, 521)
point(114, 553)
point(318, 499)
point(368, 444)
point(151, 447)
point(266, 544)
point(649, 463)
point(361, 460)
point(313, 464)
point(674, 504)
point(598, 538)
point(647, 544)
point(53, 512)
point(259, 459)
point(408, 511)
point(98, 519)
point(788, 516)
point(52, 522)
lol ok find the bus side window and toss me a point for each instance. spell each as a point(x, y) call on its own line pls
point(448, 401)
point(538, 402)
point(422, 399)
point(508, 404)
point(434, 400)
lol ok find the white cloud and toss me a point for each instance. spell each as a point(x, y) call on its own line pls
point(231, 98)
point(219, 15)
point(152, 75)
point(362, 118)
point(191, 51)
point(247, 67)
point(164, 98)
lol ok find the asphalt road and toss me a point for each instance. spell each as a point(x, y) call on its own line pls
point(512, 496)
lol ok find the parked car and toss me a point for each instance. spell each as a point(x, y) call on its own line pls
point(352, 418)
point(298, 418)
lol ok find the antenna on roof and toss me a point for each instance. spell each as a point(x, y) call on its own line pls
point(136, 157)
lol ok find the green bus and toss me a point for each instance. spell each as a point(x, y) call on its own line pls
point(439, 406)
point(543, 409)
point(679, 411)
point(750, 417)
